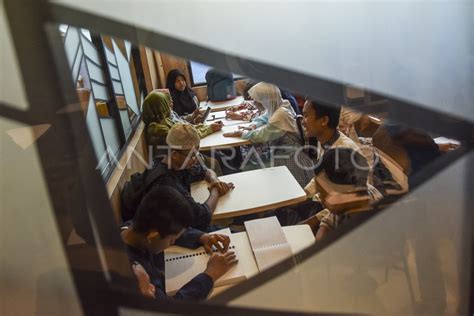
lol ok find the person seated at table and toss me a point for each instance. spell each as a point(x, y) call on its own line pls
point(348, 172)
point(321, 122)
point(248, 110)
point(411, 148)
point(195, 118)
point(284, 95)
point(182, 166)
point(159, 116)
point(184, 98)
point(163, 219)
point(280, 129)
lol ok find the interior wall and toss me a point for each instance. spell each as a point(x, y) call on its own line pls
point(151, 69)
point(172, 62)
point(166, 62)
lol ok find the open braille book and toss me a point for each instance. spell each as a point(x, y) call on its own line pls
point(182, 264)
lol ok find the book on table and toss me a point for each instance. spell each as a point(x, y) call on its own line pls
point(182, 264)
point(263, 245)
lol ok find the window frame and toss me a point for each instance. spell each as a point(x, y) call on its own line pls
point(112, 106)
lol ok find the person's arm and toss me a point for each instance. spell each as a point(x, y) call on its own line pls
point(210, 176)
point(264, 134)
point(203, 130)
point(201, 285)
point(212, 200)
point(260, 120)
point(196, 289)
point(310, 188)
point(202, 213)
point(216, 187)
point(222, 187)
point(191, 238)
point(246, 115)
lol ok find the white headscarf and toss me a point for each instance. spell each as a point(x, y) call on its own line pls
point(279, 111)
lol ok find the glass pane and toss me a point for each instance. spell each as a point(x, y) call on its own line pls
point(77, 65)
point(406, 261)
point(366, 45)
point(125, 122)
point(100, 91)
point(126, 77)
point(90, 50)
point(110, 56)
point(114, 72)
point(71, 44)
point(95, 133)
point(128, 48)
point(87, 34)
point(117, 87)
point(95, 72)
point(30, 278)
point(353, 166)
point(111, 137)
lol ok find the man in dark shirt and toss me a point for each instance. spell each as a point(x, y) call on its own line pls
point(162, 219)
point(181, 167)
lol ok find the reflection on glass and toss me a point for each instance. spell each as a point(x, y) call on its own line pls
point(332, 166)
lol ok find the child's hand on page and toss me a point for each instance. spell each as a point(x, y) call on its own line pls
point(219, 264)
point(221, 242)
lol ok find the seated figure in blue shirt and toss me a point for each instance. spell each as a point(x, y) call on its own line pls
point(162, 219)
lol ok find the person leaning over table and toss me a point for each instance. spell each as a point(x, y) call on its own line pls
point(159, 117)
point(248, 110)
point(163, 219)
point(180, 169)
point(279, 129)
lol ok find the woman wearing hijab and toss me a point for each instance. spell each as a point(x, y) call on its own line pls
point(184, 99)
point(159, 118)
point(280, 130)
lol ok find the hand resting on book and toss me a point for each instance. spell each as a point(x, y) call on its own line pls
point(219, 264)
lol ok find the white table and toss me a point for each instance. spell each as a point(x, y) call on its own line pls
point(217, 140)
point(255, 191)
point(220, 106)
point(220, 116)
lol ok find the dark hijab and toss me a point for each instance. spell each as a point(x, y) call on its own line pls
point(183, 102)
